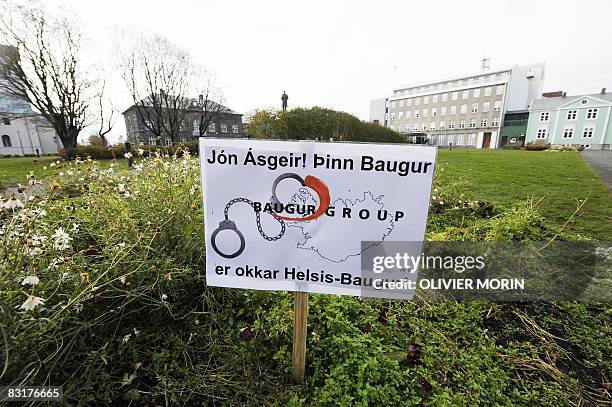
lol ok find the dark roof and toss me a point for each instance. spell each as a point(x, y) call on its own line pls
point(193, 104)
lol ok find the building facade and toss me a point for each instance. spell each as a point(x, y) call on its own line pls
point(466, 110)
point(514, 128)
point(23, 131)
point(582, 120)
point(225, 123)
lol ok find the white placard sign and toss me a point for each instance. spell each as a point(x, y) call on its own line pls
point(293, 215)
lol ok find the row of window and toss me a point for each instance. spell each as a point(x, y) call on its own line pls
point(499, 90)
point(454, 139)
point(463, 109)
point(451, 125)
point(167, 141)
point(212, 127)
point(568, 132)
point(591, 114)
point(449, 84)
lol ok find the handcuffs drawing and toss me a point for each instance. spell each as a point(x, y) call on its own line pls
point(310, 181)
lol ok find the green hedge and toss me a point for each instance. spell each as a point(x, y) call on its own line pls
point(99, 152)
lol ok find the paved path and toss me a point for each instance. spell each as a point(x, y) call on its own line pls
point(601, 162)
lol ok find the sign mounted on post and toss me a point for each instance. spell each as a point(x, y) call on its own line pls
point(314, 217)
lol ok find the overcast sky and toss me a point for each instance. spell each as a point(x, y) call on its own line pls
point(341, 54)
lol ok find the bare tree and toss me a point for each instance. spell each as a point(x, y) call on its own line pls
point(43, 66)
point(210, 102)
point(107, 115)
point(159, 76)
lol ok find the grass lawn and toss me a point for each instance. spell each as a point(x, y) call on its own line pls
point(561, 178)
point(501, 176)
point(13, 170)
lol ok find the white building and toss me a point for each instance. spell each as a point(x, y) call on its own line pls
point(465, 110)
point(23, 131)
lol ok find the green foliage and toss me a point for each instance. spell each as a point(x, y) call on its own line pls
point(318, 123)
point(97, 151)
point(127, 316)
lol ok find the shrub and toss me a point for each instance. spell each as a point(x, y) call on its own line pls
point(536, 147)
point(98, 152)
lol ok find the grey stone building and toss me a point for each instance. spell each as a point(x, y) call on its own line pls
point(223, 122)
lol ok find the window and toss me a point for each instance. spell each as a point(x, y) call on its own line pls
point(497, 106)
point(443, 111)
point(487, 91)
point(424, 112)
point(432, 126)
point(463, 109)
point(462, 124)
point(460, 139)
point(449, 139)
point(466, 94)
point(401, 103)
point(474, 107)
point(453, 110)
point(183, 140)
point(483, 122)
point(584, 101)
point(476, 93)
point(451, 124)
point(434, 99)
point(544, 116)
point(495, 122)
point(401, 115)
point(168, 141)
point(417, 101)
point(409, 102)
point(6, 121)
point(499, 90)
point(471, 139)
point(235, 128)
point(587, 132)
point(472, 123)
point(212, 128)
point(416, 114)
point(408, 114)
point(196, 127)
point(152, 141)
point(571, 114)
point(442, 125)
point(6, 141)
point(224, 126)
point(485, 107)
point(393, 105)
point(425, 100)
point(455, 95)
point(434, 111)
point(423, 126)
point(392, 118)
point(568, 132)
point(541, 133)
point(591, 114)
point(444, 97)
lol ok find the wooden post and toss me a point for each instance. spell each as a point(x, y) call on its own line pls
point(300, 316)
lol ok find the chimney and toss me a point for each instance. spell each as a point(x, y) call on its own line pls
point(201, 99)
point(564, 95)
point(555, 94)
point(603, 91)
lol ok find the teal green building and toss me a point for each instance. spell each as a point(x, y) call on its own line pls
point(582, 120)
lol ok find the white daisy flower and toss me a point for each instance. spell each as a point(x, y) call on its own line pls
point(13, 203)
point(128, 155)
point(30, 280)
point(164, 297)
point(126, 338)
point(61, 239)
point(31, 303)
